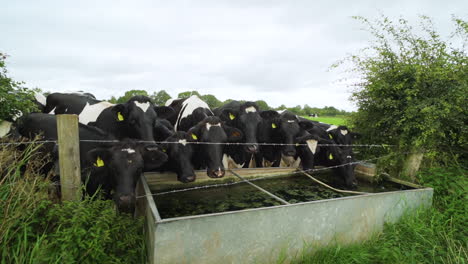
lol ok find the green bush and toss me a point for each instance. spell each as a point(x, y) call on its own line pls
point(14, 98)
point(412, 89)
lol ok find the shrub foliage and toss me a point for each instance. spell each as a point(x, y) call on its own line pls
point(413, 85)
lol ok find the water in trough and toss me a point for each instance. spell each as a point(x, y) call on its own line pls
point(294, 189)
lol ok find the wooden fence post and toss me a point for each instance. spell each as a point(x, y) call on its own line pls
point(69, 157)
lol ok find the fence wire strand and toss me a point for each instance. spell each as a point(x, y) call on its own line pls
point(200, 143)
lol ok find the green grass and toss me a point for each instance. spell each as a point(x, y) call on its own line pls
point(332, 120)
point(435, 235)
point(33, 229)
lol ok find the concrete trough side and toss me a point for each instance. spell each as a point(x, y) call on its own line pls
point(261, 235)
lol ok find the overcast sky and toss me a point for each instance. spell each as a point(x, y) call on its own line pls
point(277, 51)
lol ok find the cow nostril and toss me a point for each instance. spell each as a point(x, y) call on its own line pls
point(125, 198)
point(252, 148)
point(190, 178)
point(126, 203)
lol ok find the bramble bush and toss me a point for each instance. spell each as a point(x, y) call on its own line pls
point(14, 97)
point(412, 89)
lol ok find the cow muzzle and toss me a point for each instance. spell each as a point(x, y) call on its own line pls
point(126, 203)
point(289, 152)
point(187, 179)
point(219, 173)
point(252, 148)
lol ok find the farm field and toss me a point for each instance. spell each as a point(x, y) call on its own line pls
point(332, 120)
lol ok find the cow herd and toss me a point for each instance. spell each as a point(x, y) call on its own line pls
point(120, 141)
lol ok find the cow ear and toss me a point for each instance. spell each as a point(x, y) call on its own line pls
point(194, 133)
point(153, 156)
point(120, 112)
point(229, 115)
point(269, 114)
point(233, 134)
point(164, 112)
point(99, 157)
point(306, 125)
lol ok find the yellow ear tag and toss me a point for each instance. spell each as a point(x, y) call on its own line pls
point(164, 150)
point(194, 136)
point(273, 125)
point(331, 137)
point(99, 162)
point(231, 116)
point(120, 116)
point(330, 156)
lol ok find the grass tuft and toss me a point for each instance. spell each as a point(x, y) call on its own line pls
point(33, 229)
point(435, 235)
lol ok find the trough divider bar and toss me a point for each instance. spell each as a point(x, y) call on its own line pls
point(258, 187)
point(328, 186)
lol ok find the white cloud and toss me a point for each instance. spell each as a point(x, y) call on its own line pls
point(277, 51)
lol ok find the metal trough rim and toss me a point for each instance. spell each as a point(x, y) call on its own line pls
point(159, 220)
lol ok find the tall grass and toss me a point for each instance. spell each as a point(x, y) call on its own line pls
point(33, 229)
point(435, 235)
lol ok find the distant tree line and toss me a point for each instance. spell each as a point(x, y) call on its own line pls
point(162, 96)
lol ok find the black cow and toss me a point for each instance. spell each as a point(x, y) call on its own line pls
point(133, 119)
point(114, 167)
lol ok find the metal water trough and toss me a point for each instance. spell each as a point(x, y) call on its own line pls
point(262, 235)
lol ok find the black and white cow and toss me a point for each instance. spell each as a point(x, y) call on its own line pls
point(180, 155)
point(194, 115)
point(285, 128)
point(335, 154)
point(188, 112)
point(114, 167)
point(245, 117)
point(133, 119)
point(211, 132)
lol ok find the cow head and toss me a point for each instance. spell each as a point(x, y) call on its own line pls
point(136, 117)
point(337, 156)
point(287, 128)
point(341, 135)
point(307, 150)
point(246, 118)
point(212, 130)
point(180, 152)
point(118, 168)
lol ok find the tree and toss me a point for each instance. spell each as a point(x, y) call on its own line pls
point(413, 86)
point(187, 94)
point(262, 105)
point(130, 94)
point(211, 100)
point(160, 98)
point(15, 99)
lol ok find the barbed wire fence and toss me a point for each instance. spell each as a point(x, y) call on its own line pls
point(242, 180)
